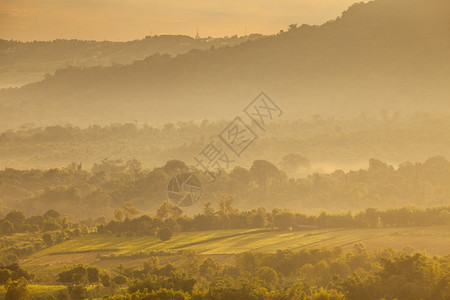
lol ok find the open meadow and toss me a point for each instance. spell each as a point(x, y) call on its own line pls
point(108, 251)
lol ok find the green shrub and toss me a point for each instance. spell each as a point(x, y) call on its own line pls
point(165, 234)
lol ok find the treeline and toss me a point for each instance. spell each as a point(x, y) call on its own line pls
point(170, 217)
point(286, 274)
point(184, 131)
point(304, 274)
point(16, 222)
point(65, 133)
point(112, 183)
point(13, 272)
point(41, 232)
point(385, 134)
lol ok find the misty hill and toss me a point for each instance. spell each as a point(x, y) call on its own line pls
point(324, 145)
point(384, 54)
point(25, 62)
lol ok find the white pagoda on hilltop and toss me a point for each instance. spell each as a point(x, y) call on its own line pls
point(197, 36)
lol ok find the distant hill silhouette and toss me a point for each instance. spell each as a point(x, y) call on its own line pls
point(26, 62)
point(391, 54)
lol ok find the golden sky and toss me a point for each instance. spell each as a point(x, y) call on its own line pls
point(134, 19)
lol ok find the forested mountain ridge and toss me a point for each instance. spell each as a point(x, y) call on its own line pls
point(25, 62)
point(382, 54)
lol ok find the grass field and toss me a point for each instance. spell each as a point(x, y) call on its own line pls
point(225, 243)
point(38, 290)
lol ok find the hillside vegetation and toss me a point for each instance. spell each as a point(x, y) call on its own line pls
point(26, 62)
point(382, 54)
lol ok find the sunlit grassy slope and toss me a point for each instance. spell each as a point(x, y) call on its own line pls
point(435, 240)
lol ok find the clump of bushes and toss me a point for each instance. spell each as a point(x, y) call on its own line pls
point(165, 234)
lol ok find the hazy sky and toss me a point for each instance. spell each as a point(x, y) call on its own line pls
point(133, 19)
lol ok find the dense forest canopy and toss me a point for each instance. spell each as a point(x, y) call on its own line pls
point(310, 274)
point(112, 183)
point(328, 143)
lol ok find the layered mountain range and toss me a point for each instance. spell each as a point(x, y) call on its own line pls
point(385, 54)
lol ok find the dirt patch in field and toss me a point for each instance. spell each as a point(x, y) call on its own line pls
point(67, 259)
